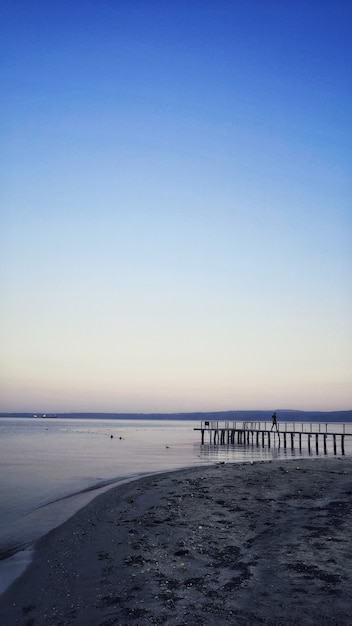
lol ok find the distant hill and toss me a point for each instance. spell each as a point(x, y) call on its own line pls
point(287, 415)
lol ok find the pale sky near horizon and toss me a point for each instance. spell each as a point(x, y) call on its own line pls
point(176, 211)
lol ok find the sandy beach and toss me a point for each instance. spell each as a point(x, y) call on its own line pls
point(262, 543)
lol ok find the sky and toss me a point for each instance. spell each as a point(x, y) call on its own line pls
point(176, 207)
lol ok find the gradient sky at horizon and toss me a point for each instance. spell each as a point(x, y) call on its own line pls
point(176, 205)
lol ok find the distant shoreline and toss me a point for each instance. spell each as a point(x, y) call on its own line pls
point(262, 415)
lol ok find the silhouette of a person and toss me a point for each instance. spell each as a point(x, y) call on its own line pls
point(274, 422)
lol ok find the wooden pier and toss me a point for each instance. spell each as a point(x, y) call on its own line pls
point(286, 434)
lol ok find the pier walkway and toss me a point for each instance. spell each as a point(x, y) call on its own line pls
point(286, 433)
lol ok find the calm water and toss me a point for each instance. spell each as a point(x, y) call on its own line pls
point(51, 468)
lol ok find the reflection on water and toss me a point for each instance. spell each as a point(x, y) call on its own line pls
point(235, 453)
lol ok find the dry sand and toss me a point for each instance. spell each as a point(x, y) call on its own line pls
point(263, 543)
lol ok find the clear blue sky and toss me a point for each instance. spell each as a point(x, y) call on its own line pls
point(176, 208)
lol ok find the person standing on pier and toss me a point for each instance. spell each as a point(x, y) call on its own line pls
point(274, 422)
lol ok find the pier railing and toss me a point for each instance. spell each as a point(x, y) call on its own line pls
point(336, 428)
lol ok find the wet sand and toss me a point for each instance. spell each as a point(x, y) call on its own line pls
point(239, 544)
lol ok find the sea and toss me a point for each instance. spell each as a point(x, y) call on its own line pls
point(50, 468)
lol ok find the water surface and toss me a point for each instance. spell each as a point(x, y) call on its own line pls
point(52, 467)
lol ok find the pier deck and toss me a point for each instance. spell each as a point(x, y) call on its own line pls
point(286, 433)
